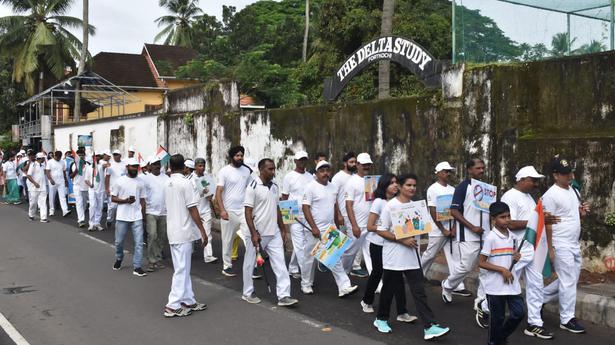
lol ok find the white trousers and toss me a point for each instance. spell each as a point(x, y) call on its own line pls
point(81, 199)
point(568, 267)
point(236, 221)
point(469, 252)
point(274, 246)
point(37, 199)
point(60, 190)
point(111, 210)
point(451, 252)
point(358, 245)
point(181, 285)
point(96, 206)
point(298, 236)
point(534, 296)
point(307, 276)
point(208, 250)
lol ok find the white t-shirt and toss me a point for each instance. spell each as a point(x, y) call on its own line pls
point(372, 237)
point(396, 256)
point(294, 185)
point(154, 194)
point(354, 191)
point(563, 203)
point(340, 180)
point(234, 181)
point(56, 170)
point(88, 173)
point(499, 249)
point(36, 170)
point(521, 206)
point(10, 170)
point(321, 200)
point(179, 196)
point(462, 200)
point(264, 201)
point(115, 171)
point(123, 188)
point(204, 187)
point(79, 179)
point(433, 192)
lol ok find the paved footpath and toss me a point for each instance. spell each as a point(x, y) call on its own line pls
point(57, 287)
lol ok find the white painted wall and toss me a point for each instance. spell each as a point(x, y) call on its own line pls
point(139, 131)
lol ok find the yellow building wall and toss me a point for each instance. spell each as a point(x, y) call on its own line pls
point(173, 84)
point(145, 97)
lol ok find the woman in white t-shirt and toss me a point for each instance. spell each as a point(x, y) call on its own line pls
point(400, 258)
point(387, 189)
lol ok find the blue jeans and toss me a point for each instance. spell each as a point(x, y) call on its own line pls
point(121, 228)
point(500, 327)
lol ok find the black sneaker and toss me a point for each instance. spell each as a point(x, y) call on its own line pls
point(31, 218)
point(537, 331)
point(463, 293)
point(482, 318)
point(228, 272)
point(573, 326)
point(139, 272)
point(256, 275)
point(361, 273)
point(322, 268)
point(117, 265)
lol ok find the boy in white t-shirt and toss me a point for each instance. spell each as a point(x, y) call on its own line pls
point(497, 257)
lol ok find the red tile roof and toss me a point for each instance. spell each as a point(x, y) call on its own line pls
point(123, 69)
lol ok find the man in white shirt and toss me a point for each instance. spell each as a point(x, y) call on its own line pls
point(204, 185)
point(293, 188)
point(564, 202)
point(37, 189)
point(128, 193)
point(131, 152)
point(116, 170)
point(266, 232)
point(93, 181)
point(473, 226)
point(12, 186)
point(55, 170)
point(230, 194)
point(184, 226)
point(445, 232)
point(319, 208)
point(80, 188)
point(155, 213)
point(357, 211)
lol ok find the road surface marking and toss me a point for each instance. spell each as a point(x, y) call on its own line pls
point(12, 332)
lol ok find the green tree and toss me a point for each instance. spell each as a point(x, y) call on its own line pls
point(10, 95)
point(533, 52)
point(177, 25)
point(38, 41)
point(561, 44)
point(592, 47)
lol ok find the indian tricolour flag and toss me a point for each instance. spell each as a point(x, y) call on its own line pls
point(163, 155)
point(537, 235)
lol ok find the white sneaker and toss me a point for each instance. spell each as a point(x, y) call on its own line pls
point(447, 295)
point(210, 259)
point(307, 291)
point(252, 299)
point(51, 213)
point(347, 291)
point(405, 317)
point(367, 308)
point(99, 228)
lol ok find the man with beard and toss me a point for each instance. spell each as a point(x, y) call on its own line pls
point(116, 170)
point(129, 194)
point(230, 192)
point(469, 236)
point(56, 177)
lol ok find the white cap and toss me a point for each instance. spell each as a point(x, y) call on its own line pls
point(364, 158)
point(322, 164)
point(300, 155)
point(443, 166)
point(189, 163)
point(153, 159)
point(22, 152)
point(131, 149)
point(117, 152)
point(528, 171)
point(40, 155)
point(107, 153)
point(132, 161)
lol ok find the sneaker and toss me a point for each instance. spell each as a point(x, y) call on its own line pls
point(194, 307)
point(482, 318)
point(256, 275)
point(66, 213)
point(361, 273)
point(17, 203)
point(296, 275)
point(347, 291)
point(405, 317)
point(150, 268)
point(537, 331)
point(251, 299)
point(573, 326)
point(52, 213)
point(44, 221)
point(179, 312)
point(367, 308)
point(382, 326)
point(81, 224)
point(99, 228)
point(90, 228)
point(447, 295)
point(228, 272)
point(139, 272)
point(435, 331)
point(210, 259)
point(117, 265)
point(31, 218)
point(463, 293)
point(307, 291)
point(287, 302)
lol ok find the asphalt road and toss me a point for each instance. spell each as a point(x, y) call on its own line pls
point(57, 287)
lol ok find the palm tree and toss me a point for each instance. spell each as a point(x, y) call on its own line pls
point(38, 41)
point(384, 68)
point(561, 44)
point(82, 60)
point(592, 47)
point(178, 25)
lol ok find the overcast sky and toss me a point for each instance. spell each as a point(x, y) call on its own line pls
point(124, 25)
